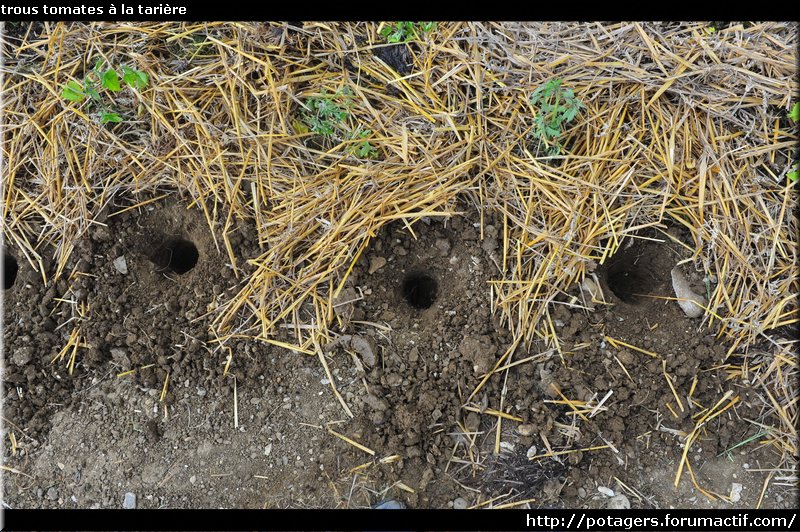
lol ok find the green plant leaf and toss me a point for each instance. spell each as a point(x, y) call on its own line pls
point(428, 27)
point(401, 31)
point(795, 114)
point(106, 117)
point(570, 113)
point(73, 92)
point(110, 80)
point(552, 131)
point(134, 78)
point(91, 91)
point(793, 175)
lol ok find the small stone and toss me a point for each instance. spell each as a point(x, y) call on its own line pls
point(526, 429)
point(390, 504)
point(375, 264)
point(619, 502)
point(506, 446)
point(608, 492)
point(592, 289)
point(121, 265)
point(443, 245)
point(736, 492)
point(129, 503)
point(473, 422)
point(690, 302)
point(362, 347)
point(22, 356)
point(581, 493)
point(193, 479)
point(52, 494)
point(460, 504)
point(531, 452)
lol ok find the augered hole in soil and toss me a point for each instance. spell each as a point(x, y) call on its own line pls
point(420, 290)
point(177, 254)
point(10, 269)
point(627, 278)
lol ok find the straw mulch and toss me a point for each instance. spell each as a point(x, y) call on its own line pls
point(681, 126)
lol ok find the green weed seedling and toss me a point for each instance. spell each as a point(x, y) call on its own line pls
point(363, 149)
point(108, 80)
point(555, 108)
point(404, 31)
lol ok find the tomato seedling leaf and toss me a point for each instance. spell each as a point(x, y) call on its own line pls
point(110, 80)
point(106, 117)
point(73, 92)
point(134, 78)
point(795, 114)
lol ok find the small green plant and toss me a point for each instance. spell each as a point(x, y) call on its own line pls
point(795, 113)
point(555, 108)
point(109, 79)
point(328, 114)
point(404, 31)
point(363, 149)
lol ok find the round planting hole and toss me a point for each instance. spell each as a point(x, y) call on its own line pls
point(626, 282)
point(420, 290)
point(10, 269)
point(637, 271)
point(177, 254)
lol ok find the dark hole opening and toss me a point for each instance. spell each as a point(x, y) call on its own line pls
point(630, 275)
point(626, 282)
point(10, 269)
point(420, 290)
point(178, 255)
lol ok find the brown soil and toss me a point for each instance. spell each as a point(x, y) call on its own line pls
point(260, 434)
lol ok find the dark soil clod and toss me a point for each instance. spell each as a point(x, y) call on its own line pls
point(178, 255)
point(420, 290)
point(397, 56)
point(10, 269)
